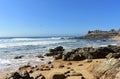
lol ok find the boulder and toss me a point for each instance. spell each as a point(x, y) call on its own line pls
point(40, 76)
point(25, 75)
point(16, 75)
point(61, 66)
point(58, 56)
point(69, 63)
point(73, 73)
point(55, 51)
point(40, 56)
point(18, 57)
point(25, 66)
point(57, 75)
point(76, 57)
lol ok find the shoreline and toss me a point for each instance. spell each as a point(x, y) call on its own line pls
point(79, 66)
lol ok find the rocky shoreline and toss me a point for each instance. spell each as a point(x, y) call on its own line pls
point(100, 35)
point(79, 63)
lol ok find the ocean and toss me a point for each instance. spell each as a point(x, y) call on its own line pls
point(30, 47)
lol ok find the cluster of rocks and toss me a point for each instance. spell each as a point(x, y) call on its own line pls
point(27, 71)
point(56, 52)
point(18, 57)
point(16, 75)
point(71, 72)
point(109, 69)
point(99, 34)
point(86, 53)
point(25, 75)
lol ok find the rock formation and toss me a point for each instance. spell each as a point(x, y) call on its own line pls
point(100, 35)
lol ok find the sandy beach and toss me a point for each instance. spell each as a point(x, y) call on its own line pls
point(77, 66)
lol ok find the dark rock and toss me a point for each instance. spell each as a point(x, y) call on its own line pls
point(59, 48)
point(31, 71)
point(24, 67)
point(42, 59)
point(40, 76)
point(49, 62)
point(18, 57)
point(55, 51)
point(80, 65)
point(61, 66)
point(82, 77)
point(69, 63)
point(76, 57)
point(26, 75)
point(40, 56)
point(58, 56)
point(57, 75)
point(41, 69)
point(68, 67)
point(67, 72)
point(16, 75)
point(37, 69)
point(51, 66)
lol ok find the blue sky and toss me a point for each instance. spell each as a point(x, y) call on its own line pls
point(57, 17)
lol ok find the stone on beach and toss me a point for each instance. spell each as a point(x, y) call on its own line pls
point(57, 75)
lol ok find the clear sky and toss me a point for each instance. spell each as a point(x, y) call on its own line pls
point(57, 17)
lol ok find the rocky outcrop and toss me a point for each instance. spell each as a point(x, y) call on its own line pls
point(99, 34)
point(87, 53)
point(91, 53)
point(109, 69)
point(55, 51)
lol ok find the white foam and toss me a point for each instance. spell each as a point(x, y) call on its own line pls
point(22, 39)
point(13, 64)
point(5, 45)
point(55, 37)
point(4, 62)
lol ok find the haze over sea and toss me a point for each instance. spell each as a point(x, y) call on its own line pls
point(30, 47)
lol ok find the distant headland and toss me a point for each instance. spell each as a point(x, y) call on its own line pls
point(102, 35)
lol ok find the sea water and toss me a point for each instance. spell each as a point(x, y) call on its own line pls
point(30, 47)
